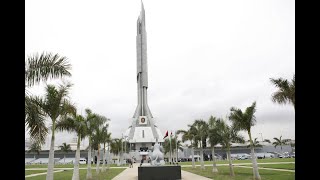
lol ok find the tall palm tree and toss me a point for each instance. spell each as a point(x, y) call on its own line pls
point(41, 68)
point(46, 66)
point(177, 145)
point(65, 148)
point(189, 136)
point(244, 121)
point(255, 143)
point(74, 123)
point(279, 142)
point(98, 138)
point(116, 147)
point(228, 134)
point(201, 134)
point(92, 121)
point(174, 144)
point(106, 138)
point(214, 139)
point(36, 148)
point(54, 105)
point(286, 91)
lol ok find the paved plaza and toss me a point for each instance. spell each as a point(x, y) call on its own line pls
point(132, 174)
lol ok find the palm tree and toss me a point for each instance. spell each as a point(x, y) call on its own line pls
point(228, 134)
point(255, 143)
point(74, 123)
point(286, 91)
point(54, 105)
point(36, 148)
point(106, 138)
point(41, 68)
point(174, 145)
point(279, 142)
point(115, 147)
point(65, 148)
point(44, 67)
point(98, 138)
point(92, 121)
point(189, 136)
point(244, 121)
point(214, 139)
point(201, 134)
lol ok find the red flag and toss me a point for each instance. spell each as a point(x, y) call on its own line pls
point(166, 135)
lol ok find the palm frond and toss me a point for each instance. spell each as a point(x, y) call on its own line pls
point(46, 66)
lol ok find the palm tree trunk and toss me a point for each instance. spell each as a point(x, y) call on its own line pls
point(109, 155)
point(214, 165)
point(104, 157)
point(192, 153)
point(201, 155)
point(230, 162)
point(89, 174)
point(98, 160)
point(94, 154)
point(256, 174)
point(64, 159)
point(51, 154)
point(76, 175)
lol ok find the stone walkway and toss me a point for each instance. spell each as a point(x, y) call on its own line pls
point(132, 174)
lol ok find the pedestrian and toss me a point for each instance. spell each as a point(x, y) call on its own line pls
point(131, 163)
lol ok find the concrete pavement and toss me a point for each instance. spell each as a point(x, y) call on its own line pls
point(132, 174)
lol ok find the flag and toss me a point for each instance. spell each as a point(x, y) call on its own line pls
point(166, 135)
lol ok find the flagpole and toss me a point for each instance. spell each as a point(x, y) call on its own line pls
point(176, 146)
point(170, 148)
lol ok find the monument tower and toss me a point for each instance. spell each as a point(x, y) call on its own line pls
point(143, 132)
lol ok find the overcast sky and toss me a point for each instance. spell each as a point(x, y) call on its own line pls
point(204, 57)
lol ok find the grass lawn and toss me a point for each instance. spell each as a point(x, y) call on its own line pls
point(277, 166)
point(67, 166)
point(243, 161)
point(67, 175)
point(28, 172)
point(240, 173)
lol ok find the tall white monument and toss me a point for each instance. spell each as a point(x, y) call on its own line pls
point(143, 132)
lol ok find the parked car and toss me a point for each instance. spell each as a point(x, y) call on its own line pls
point(82, 161)
point(243, 156)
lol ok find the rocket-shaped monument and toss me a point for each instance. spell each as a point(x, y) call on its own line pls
point(143, 132)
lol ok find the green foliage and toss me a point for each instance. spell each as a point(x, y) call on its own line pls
point(45, 66)
point(65, 147)
point(54, 104)
point(286, 91)
point(116, 146)
point(174, 145)
point(228, 134)
point(243, 120)
point(35, 147)
point(255, 143)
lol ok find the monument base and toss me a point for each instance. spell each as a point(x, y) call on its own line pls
point(159, 173)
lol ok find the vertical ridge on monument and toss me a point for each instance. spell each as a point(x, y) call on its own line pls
point(143, 132)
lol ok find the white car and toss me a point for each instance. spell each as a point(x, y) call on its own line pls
point(82, 161)
point(243, 156)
